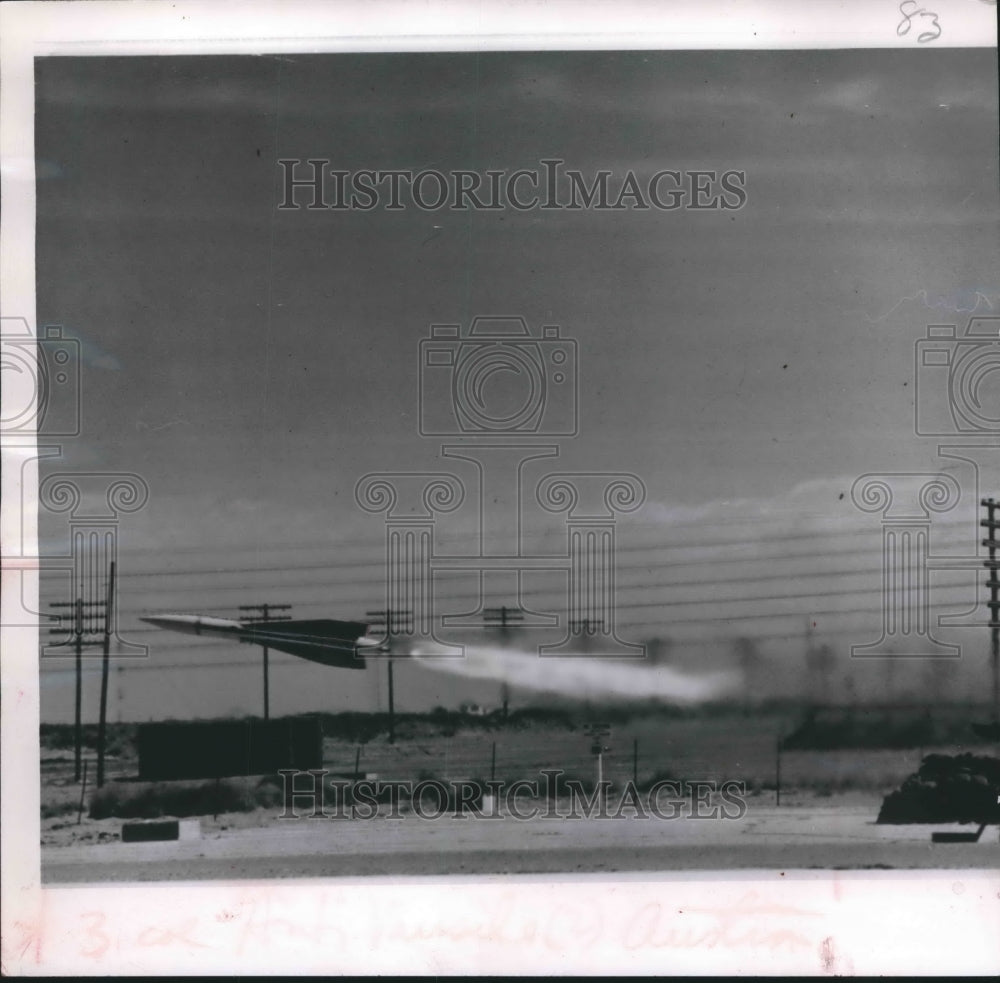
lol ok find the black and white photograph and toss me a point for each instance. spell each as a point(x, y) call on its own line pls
point(487, 464)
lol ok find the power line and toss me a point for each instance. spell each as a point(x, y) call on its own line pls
point(379, 561)
point(621, 548)
point(354, 580)
point(667, 625)
point(556, 595)
point(557, 592)
point(625, 606)
point(728, 558)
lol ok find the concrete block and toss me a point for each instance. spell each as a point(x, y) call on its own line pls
point(147, 830)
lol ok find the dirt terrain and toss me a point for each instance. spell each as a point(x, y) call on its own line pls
point(810, 809)
point(831, 836)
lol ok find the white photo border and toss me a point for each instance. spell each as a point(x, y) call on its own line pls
point(842, 922)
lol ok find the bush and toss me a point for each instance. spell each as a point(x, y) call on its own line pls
point(528, 717)
point(122, 800)
point(586, 783)
point(964, 788)
point(847, 730)
point(52, 809)
point(664, 775)
point(119, 739)
point(269, 793)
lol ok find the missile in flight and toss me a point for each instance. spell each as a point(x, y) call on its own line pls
point(341, 644)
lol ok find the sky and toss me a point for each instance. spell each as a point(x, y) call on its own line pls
point(251, 364)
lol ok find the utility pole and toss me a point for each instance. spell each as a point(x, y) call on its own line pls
point(265, 615)
point(77, 717)
point(503, 618)
point(394, 622)
point(811, 688)
point(392, 709)
point(82, 626)
point(597, 734)
point(105, 668)
point(992, 564)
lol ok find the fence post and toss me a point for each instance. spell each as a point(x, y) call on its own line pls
point(83, 792)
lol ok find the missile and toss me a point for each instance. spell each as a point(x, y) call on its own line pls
point(340, 644)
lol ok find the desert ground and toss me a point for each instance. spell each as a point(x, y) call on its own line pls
point(810, 809)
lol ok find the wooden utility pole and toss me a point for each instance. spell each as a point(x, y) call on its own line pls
point(81, 628)
point(102, 721)
point(265, 615)
point(392, 709)
point(503, 618)
point(83, 796)
point(395, 622)
point(992, 524)
point(77, 717)
point(597, 734)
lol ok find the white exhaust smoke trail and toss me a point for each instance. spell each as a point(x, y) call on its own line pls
point(581, 677)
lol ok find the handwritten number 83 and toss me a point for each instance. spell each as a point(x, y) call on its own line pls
point(910, 9)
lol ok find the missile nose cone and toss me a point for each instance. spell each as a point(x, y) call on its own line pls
point(160, 621)
point(189, 624)
point(194, 624)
